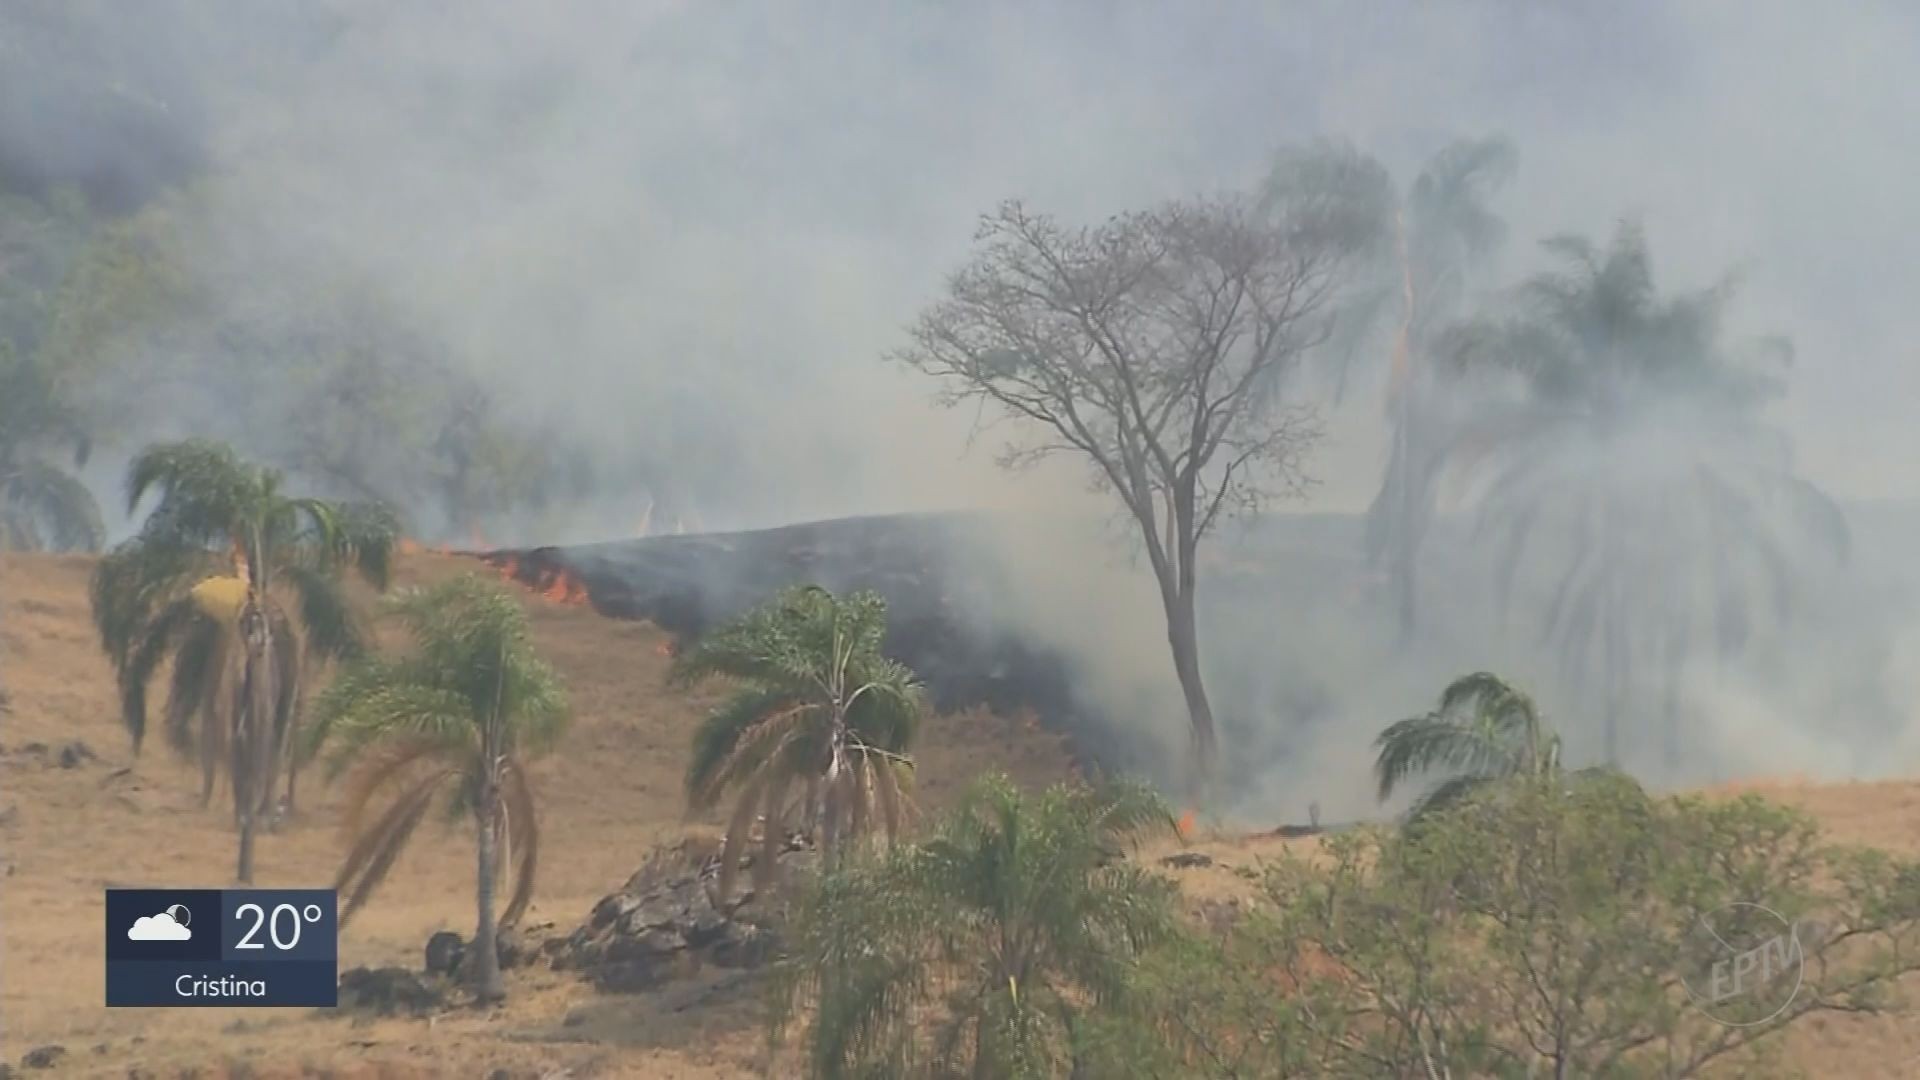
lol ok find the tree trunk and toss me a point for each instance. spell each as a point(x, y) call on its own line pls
point(485, 973)
point(1614, 676)
point(244, 872)
point(1183, 635)
point(253, 754)
point(1404, 583)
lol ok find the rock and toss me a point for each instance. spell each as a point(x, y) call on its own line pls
point(1294, 832)
point(444, 951)
point(629, 976)
point(648, 946)
point(388, 992)
point(75, 754)
point(613, 909)
point(1187, 860)
point(43, 1057)
point(705, 927)
point(742, 946)
point(510, 945)
point(648, 914)
point(665, 922)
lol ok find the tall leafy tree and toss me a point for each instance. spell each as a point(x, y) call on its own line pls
point(1624, 462)
point(1483, 730)
point(236, 582)
point(819, 732)
point(981, 951)
point(456, 720)
point(42, 504)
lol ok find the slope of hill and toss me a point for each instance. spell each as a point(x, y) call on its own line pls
point(610, 793)
point(70, 828)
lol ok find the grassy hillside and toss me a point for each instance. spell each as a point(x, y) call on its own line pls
point(613, 790)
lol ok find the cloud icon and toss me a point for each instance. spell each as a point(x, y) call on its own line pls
point(161, 927)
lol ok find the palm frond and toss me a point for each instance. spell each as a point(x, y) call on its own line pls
point(792, 735)
point(734, 845)
point(380, 767)
point(332, 627)
point(42, 495)
point(198, 691)
point(1447, 794)
point(382, 701)
point(366, 534)
point(205, 491)
point(1125, 808)
point(380, 845)
point(773, 832)
point(134, 582)
point(156, 639)
point(719, 735)
point(1483, 727)
point(522, 837)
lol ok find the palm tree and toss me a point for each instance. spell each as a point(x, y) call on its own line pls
point(820, 713)
point(977, 952)
point(1422, 247)
point(42, 505)
point(230, 578)
point(1630, 467)
point(1483, 730)
point(457, 719)
point(1443, 233)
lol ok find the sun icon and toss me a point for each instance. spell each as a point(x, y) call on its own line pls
point(180, 914)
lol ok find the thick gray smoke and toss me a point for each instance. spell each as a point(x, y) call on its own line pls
point(679, 236)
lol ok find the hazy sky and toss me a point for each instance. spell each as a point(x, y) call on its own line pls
point(695, 227)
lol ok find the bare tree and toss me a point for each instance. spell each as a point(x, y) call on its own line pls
point(1155, 345)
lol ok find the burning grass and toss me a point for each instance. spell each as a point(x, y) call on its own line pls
point(551, 581)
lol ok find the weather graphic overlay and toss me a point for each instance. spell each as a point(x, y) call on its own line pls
point(222, 947)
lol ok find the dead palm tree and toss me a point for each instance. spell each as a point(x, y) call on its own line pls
point(229, 578)
point(820, 714)
point(1483, 730)
point(456, 720)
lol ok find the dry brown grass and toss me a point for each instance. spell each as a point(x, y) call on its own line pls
point(610, 793)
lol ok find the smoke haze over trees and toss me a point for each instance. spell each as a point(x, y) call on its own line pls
point(540, 273)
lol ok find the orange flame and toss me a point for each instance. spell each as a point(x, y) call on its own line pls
point(409, 546)
point(1186, 825)
point(556, 583)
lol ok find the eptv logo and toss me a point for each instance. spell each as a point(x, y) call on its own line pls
point(1752, 966)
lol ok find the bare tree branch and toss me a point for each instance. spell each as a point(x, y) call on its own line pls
point(1157, 346)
